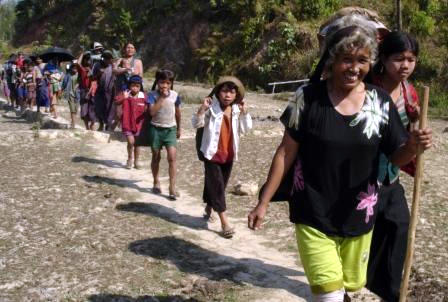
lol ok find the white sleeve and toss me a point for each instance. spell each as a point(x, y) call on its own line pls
point(198, 120)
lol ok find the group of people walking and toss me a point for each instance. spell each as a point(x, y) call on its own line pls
point(27, 82)
point(347, 133)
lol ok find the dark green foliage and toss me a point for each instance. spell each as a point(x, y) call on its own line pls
point(258, 40)
point(7, 18)
point(316, 8)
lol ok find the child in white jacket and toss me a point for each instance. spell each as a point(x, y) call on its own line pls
point(224, 117)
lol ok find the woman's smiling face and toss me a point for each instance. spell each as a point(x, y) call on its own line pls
point(350, 68)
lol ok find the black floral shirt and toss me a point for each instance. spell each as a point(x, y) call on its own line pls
point(335, 186)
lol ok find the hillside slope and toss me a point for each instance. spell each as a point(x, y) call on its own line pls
point(260, 41)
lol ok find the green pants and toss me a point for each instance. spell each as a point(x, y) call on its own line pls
point(332, 263)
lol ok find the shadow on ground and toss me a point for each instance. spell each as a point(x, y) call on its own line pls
point(165, 213)
point(103, 162)
point(122, 183)
point(191, 258)
point(119, 298)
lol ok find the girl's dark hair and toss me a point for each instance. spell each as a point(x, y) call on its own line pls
point(395, 42)
point(85, 60)
point(162, 75)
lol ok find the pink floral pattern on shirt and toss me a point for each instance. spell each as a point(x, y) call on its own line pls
point(368, 201)
point(299, 183)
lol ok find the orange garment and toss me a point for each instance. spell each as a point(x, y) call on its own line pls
point(224, 154)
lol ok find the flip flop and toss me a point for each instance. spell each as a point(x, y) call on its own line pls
point(172, 197)
point(227, 233)
point(156, 190)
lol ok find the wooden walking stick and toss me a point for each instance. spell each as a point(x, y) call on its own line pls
point(415, 202)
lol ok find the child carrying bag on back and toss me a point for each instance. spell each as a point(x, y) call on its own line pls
point(223, 117)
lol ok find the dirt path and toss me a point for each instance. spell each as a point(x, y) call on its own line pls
point(71, 214)
point(245, 254)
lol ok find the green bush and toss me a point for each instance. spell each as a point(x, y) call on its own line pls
point(438, 100)
point(422, 24)
point(317, 8)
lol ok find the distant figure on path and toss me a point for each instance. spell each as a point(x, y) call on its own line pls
point(70, 87)
point(85, 86)
point(125, 67)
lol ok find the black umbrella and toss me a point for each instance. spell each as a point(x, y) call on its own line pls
point(61, 54)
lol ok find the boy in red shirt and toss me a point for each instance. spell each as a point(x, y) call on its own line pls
point(134, 109)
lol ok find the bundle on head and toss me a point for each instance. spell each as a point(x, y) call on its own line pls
point(344, 40)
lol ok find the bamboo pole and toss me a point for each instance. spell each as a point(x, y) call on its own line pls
point(415, 202)
point(398, 16)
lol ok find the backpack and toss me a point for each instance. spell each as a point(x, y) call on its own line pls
point(198, 138)
point(285, 189)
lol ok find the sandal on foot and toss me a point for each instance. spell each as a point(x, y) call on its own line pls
point(172, 196)
point(227, 233)
point(156, 190)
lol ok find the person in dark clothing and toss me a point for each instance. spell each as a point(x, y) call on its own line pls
point(398, 55)
point(335, 131)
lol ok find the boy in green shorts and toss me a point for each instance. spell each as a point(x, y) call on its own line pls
point(164, 108)
point(71, 91)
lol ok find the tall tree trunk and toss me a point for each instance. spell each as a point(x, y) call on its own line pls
point(398, 10)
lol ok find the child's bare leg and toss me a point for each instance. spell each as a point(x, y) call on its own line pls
point(225, 225)
point(53, 105)
point(172, 168)
point(155, 163)
point(72, 116)
point(130, 148)
point(131, 142)
point(136, 157)
point(55, 114)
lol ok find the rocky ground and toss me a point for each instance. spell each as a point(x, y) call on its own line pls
point(77, 226)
